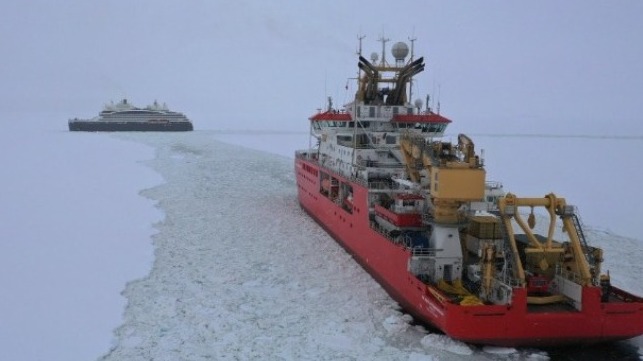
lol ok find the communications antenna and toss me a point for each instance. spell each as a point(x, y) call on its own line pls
point(412, 40)
point(359, 38)
point(359, 53)
point(384, 41)
point(438, 108)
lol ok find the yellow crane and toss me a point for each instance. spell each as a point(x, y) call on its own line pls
point(455, 173)
point(542, 255)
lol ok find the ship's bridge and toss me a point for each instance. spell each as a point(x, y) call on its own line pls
point(379, 117)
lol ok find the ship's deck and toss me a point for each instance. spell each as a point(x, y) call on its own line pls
point(553, 307)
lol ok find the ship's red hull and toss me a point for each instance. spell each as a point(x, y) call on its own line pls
point(507, 325)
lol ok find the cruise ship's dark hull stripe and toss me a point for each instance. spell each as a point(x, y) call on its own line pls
point(129, 126)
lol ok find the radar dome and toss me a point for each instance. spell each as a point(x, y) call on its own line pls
point(374, 57)
point(418, 103)
point(400, 50)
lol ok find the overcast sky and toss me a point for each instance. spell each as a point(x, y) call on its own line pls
point(563, 67)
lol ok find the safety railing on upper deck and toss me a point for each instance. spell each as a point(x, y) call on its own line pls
point(308, 154)
point(379, 164)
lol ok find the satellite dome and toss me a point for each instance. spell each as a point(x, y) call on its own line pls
point(374, 57)
point(400, 50)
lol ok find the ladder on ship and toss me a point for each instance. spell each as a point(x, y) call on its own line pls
point(578, 225)
point(508, 269)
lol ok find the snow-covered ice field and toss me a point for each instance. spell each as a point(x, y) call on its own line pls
point(73, 231)
point(215, 259)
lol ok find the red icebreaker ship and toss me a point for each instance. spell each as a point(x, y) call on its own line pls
point(453, 249)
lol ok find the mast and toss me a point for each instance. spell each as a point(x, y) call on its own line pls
point(412, 40)
point(359, 75)
point(384, 41)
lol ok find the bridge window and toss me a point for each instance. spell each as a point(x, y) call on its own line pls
point(345, 140)
point(435, 128)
